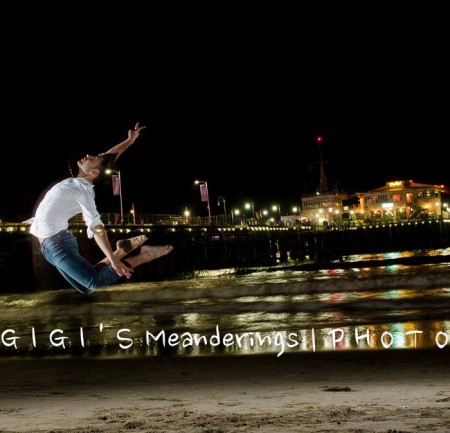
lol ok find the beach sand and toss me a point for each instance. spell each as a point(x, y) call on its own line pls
point(341, 391)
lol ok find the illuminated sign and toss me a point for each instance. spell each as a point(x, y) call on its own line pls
point(395, 183)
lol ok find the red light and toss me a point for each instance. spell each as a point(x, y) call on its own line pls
point(319, 139)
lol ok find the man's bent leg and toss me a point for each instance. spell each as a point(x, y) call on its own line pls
point(63, 253)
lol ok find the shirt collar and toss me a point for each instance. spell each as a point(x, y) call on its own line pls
point(83, 182)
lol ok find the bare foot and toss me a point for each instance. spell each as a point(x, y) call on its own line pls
point(125, 246)
point(154, 252)
point(148, 253)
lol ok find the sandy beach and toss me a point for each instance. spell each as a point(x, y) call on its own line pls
point(342, 391)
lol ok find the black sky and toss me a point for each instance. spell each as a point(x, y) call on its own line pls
point(240, 112)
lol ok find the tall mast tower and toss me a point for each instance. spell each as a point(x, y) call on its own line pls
point(323, 178)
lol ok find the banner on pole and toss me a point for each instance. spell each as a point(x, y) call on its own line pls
point(203, 192)
point(116, 184)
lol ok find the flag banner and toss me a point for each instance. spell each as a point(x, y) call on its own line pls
point(203, 192)
point(116, 184)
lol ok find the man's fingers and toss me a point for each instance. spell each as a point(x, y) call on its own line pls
point(124, 271)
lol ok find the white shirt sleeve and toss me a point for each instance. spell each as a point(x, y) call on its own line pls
point(89, 211)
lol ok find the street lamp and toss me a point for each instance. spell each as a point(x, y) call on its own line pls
point(133, 213)
point(119, 192)
point(276, 207)
point(250, 206)
point(219, 199)
point(186, 215)
point(204, 195)
point(233, 213)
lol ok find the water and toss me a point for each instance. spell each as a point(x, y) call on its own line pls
point(232, 311)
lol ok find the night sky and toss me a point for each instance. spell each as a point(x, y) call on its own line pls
point(241, 113)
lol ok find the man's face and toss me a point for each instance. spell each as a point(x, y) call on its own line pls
point(90, 164)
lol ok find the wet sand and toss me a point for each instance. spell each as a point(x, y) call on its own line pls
point(342, 391)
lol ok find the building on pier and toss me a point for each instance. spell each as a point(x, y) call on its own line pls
point(325, 207)
point(404, 200)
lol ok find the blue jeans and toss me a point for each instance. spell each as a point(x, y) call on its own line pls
point(61, 250)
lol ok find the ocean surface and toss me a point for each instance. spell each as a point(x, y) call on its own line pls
point(240, 311)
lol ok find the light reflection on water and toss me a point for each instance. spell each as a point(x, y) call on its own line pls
point(257, 311)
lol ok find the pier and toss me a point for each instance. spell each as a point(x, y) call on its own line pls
point(196, 248)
